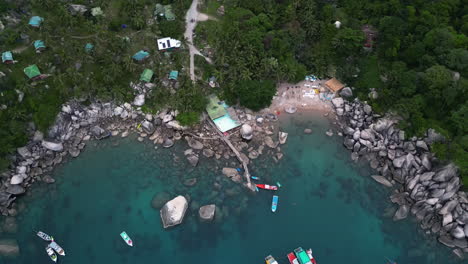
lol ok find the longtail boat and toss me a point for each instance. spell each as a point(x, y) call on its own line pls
point(274, 203)
point(309, 253)
point(270, 260)
point(267, 187)
point(292, 258)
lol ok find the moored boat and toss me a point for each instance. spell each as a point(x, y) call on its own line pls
point(270, 260)
point(302, 256)
point(267, 187)
point(126, 238)
point(309, 253)
point(292, 258)
point(57, 248)
point(255, 178)
point(274, 203)
point(44, 236)
point(51, 254)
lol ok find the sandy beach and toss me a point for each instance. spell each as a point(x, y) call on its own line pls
point(301, 95)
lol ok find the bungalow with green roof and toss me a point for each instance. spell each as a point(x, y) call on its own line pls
point(164, 10)
point(159, 10)
point(7, 57)
point(141, 55)
point(32, 72)
point(39, 46)
point(168, 13)
point(222, 115)
point(89, 47)
point(173, 75)
point(147, 75)
point(36, 21)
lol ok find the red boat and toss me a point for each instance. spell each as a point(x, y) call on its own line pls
point(292, 258)
point(309, 253)
point(267, 187)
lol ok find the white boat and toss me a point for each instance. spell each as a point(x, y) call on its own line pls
point(51, 254)
point(126, 238)
point(57, 248)
point(44, 236)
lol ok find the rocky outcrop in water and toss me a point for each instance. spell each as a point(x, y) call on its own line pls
point(173, 212)
point(422, 186)
point(207, 212)
point(9, 248)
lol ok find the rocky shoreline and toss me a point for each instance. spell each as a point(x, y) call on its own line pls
point(76, 125)
point(421, 184)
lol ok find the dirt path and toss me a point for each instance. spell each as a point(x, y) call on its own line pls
point(191, 20)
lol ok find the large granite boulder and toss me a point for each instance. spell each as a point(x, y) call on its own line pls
point(346, 92)
point(282, 136)
point(207, 212)
point(446, 173)
point(173, 212)
point(148, 127)
point(139, 100)
point(100, 132)
point(195, 144)
point(9, 248)
point(338, 102)
point(401, 213)
point(232, 174)
point(246, 132)
point(193, 159)
point(52, 145)
point(15, 189)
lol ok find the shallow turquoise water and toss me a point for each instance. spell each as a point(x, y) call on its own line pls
point(326, 203)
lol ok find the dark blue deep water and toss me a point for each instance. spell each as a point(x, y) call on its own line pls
point(327, 203)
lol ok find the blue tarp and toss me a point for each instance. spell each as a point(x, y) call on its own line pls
point(89, 47)
point(7, 56)
point(39, 44)
point(141, 55)
point(36, 21)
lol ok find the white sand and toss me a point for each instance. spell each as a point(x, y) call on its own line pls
point(300, 95)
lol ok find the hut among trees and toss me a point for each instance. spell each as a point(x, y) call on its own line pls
point(39, 46)
point(146, 75)
point(33, 73)
point(140, 56)
point(7, 57)
point(36, 21)
point(334, 85)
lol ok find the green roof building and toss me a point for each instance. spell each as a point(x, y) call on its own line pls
point(173, 75)
point(32, 71)
point(159, 10)
point(168, 13)
point(39, 45)
point(146, 75)
point(7, 57)
point(89, 47)
point(36, 21)
point(214, 108)
point(140, 55)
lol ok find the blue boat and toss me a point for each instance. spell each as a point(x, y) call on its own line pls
point(274, 203)
point(254, 178)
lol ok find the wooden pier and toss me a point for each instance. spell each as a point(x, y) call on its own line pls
point(238, 155)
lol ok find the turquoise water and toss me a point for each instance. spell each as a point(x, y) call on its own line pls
point(327, 203)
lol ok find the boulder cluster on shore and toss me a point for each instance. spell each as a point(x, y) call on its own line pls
point(77, 124)
point(422, 186)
